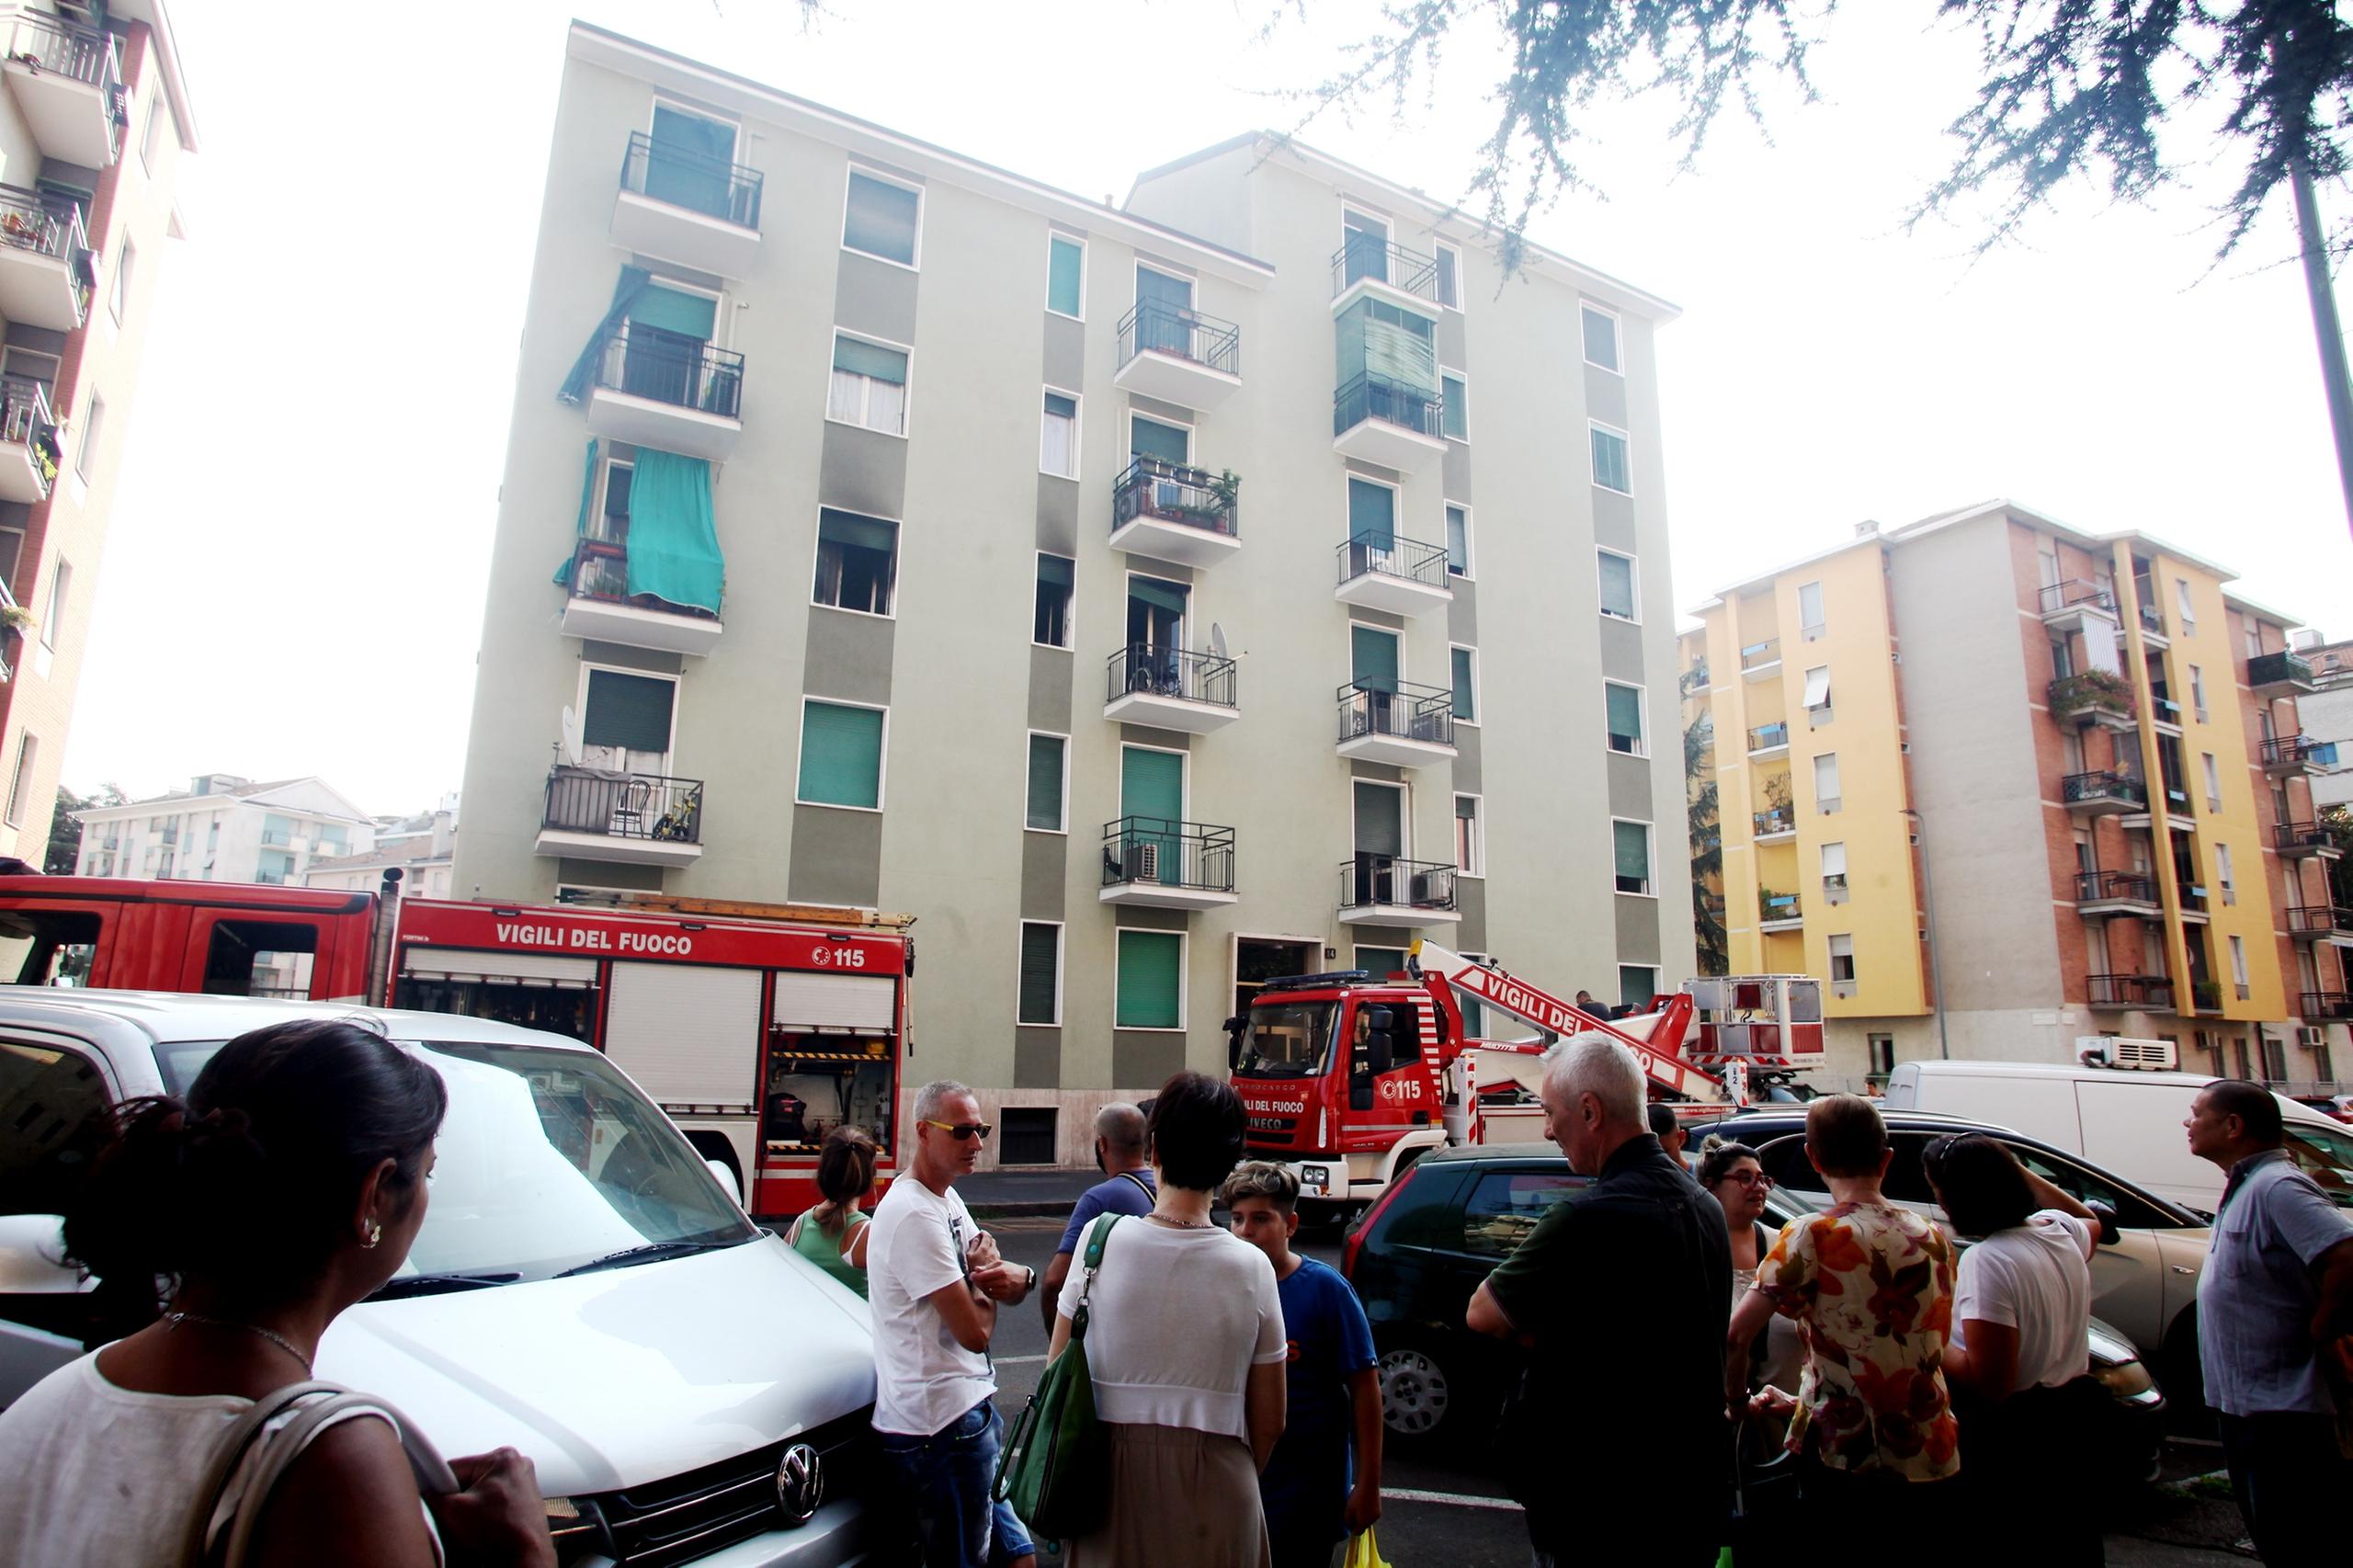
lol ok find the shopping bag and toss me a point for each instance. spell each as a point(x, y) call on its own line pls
point(1364, 1554)
point(1055, 1471)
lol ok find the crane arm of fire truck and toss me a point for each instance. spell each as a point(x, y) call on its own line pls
point(1653, 1039)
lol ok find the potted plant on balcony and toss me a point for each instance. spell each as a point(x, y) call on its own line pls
point(1215, 509)
point(2205, 996)
point(2091, 691)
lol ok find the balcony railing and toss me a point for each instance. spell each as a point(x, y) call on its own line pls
point(2079, 788)
point(1780, 819)
point(2319, 919)
point(2298, 751)
point(1367, 396)
point(2089, 692)
point(600, 571)
point(1192, 497)
point(30, 223)
point(2292, 838)
point(1179, 673)
point(1153, 326)
point(1757, 655)
point(1366, 256)
point(1372, 878)
point(1190, 855)
point(26, 421)
point(1772, 906)
point(1393, 556)
point(624, 805)
point(2077, 591)
point(2153, 615)
point(2119, 887)
point(697, 181)
point(677, 370)
point(2205, 996)
point(2337, 1004)
point(2192, 897)
point(2130, 990)
point(2163, 709)
point(45, 43)
point(1400, 711)
point(2282, 669)
point(1764, 737)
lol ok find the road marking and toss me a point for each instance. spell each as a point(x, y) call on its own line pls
point(1449, 1499)
point(1017, 1361)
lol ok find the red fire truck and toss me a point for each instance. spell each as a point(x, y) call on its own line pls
point(758, 1027)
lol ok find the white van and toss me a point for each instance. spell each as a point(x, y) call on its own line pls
point(2127, 1120)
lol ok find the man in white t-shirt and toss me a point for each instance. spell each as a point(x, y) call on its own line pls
point(934, 1283)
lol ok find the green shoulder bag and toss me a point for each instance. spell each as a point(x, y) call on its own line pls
point(1055, 1469)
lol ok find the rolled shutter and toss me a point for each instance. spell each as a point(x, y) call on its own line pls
point(1055, 570)
point(689, 315)
point(841, 754)
point(1372, 658)
point(1462, 709)
point(1152, 591)
point(424, 962)
point(1372, 513)
point(1618, 587)
point(689, 1034)
point(1379, 820)
point(627, 710)
point(1045, 781)
point(818, 1000)
point(849, 527)
point(862, 359)
point(1164, 443)
point(1834, 860)
point(1625, 715)
point(1041, 955)
point(1634, 850)
point(1151, 970)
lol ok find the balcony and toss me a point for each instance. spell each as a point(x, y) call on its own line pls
point(601, 606)
point(28, 440)
point(2279, 674)
point(1770, 740)
point(2103, 793)
point(2190, 900)
point(46, 267)
point(1778, 912)
point(2091, 696)
point(2205, 996)
point(1760, 660)
point(2163, 711)
point(1179, 355)
point(1160, 864)
point(2153, 619)
point(1170, 513)
point(2317, 923)
point(630, 819)
point(1384, 572)
point(1401, 724)
point(68, 81)
point(688, 206)
point(2284, 756)
point(1382, 889)
point(2153, 993)
point(1170, 688)
point(2116, 893)
point(2065, 604)
point(669, 392)
point(2305, 840)
point(2324, 1006)
point(1773, 826)
point(1367, 264)
point(1395, 424)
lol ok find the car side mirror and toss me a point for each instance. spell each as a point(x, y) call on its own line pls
point(719, 1168)
point(32, 1248)
point(2107, 1218)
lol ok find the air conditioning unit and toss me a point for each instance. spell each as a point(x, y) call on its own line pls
point(2117, 1050)
point(2311, 1036)
point(1143, 862)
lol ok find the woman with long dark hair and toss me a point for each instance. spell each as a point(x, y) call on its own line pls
point(287, 1186)
point(831, 1232)
point(1733, 1173)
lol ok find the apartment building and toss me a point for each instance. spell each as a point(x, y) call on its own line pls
point(2328, 714)
point(1151, 600)
point(94, 120)
point(421, 847)
point(223, 828)
point(2062, 771)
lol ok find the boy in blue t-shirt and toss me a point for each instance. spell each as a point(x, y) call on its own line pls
point(1316, 1491)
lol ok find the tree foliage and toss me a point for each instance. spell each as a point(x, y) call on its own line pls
point(1707, 833)
point(2110, 90)
point(64, 851)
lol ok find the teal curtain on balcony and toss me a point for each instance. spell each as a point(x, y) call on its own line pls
point(634, 282)
point(673, 539)
point(588, 493)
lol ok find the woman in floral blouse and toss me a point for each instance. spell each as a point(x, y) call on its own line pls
point(1870, 1284)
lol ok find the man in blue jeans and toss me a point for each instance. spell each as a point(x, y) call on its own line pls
point(934, 1283)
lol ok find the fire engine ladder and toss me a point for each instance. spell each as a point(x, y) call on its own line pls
point(1652, 1042)
point(733, 909)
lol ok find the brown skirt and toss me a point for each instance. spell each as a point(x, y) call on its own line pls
point(1180, 1498)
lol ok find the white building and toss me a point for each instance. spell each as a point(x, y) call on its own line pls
point(419, 846)
point(225, 829)
point(2328, 717)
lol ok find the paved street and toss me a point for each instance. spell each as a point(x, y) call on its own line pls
point(1443, 1510)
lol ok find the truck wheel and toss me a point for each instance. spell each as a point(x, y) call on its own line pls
point(1417, 1389)
point(715, 1146)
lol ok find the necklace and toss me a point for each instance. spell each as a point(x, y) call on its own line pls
point(1180, 1224)
point(175, 1319)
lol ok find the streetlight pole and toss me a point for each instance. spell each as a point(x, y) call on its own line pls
point(2326, 326)
point(1929, 903)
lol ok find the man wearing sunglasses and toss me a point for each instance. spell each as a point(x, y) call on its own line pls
point(935, 1283)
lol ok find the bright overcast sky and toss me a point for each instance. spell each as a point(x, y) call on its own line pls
point(295, 580)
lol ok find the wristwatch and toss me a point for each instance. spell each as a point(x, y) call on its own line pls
point(1031, 1283)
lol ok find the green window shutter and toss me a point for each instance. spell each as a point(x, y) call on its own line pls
point(1150, 980)
point(864, 359)
point(1380, 819)
point(1046, 781)
point(1151, 439)
point(1372, 510)
point(1381, 962)
point(1458, 542)
point(1061, 407)
point(689, 314)
point(849, 527)
point(1040, 966)
point(841, 754)
point(1457, 415)
point(1372, 658)
point(1637, 983)
point(1633, 851)
point(1625, 705)
point(1617, 585)
point(1152, 783)
point(880, 219)
point(1065, 262)
point(627, 710)
point(1055, 569)
point(1169, 596)
point(1463, 704)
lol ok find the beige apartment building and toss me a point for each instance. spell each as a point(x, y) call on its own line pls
point(1152, 600)
point(94, 120)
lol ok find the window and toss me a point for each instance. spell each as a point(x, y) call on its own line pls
point(62, 1095)
point(1372, 519)
point(1611, 470)
point(60, 583)
point(880, 219)
point(20, 782)
point(1458, 540)
point(1637, 983)
point(1882, 1049)
point(1623, 706)
point(1050, 623)
point(119, 298)
point(1041, 973)
point(2197, 692)
point(1058, 437)
point(94, 419)
point(1470, 843)
point(2238, 966)
point(1617, 584)
point(2063, 661)
point(625, 722)
point(2213, 781)
point(1834, 873)
point(1026, 1134)
point(1600, 338)
point(1449, 276)
point(857, 562)
point(1631, 844)
point(1466, 685)
point(2223, 873)
point(1455, 406)
point(151, 140)
point(1810, 621)
point(1842, 965)
point(841, 755)
point(869, 385)
point(1505, 1205)
point(1065, 276)
point(1159, 441)
point(1049, 782)
point(2254, 641)
point(1377, 961)
point(2181, 602)
point(1825, 781)
point(1150, 981)
point(1817, 693)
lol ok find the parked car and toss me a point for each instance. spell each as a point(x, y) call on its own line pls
point(2337, 1107)
point(1417, 1255)
point(584, 1287)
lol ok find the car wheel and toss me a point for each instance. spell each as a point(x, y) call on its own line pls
point(1416, 1391)
point(2182, 1376)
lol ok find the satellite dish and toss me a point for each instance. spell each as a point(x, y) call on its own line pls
point(572, 737)
point(1217, 640)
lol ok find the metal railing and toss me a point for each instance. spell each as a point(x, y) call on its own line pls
point(2205, 996)
point(2087, 692)
point(2077, 591)
point(1170, 492)
point(1366, 396)
point(1170, 671)
point(26, 421)
point(2115, 887)
point(1153, 326)
point(29, 222)
point(1401, 711)
point(2326, 1005)
point(2294, 835)
point(678, 371)
point(600, 571)
point(1776, 906)
point(1758, 655)
point(2294, 751)
point(1393, 556)
point(1780, 819)
point(624, 805)
point(2319, 919)
point(1164, 853)
point(2192, 897)
point(1764, 737)
point(2129, 991)
point(2163, 709)
point(1372, 878)
point(2080, 788)
point(2153, 619)
point(696, 181)
point(2279, 669)
point(1365, 256)
point(46, 43)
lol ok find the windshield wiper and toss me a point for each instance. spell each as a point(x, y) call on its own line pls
point(437, 1284)
point(646, 1254)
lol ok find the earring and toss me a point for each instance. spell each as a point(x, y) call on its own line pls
point(375, 1232)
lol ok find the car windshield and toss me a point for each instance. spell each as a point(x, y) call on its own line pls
point(1293, 1041)
point(547, 1160)
point(2324, 1154)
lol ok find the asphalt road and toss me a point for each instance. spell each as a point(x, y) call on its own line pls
point(1442, 1509)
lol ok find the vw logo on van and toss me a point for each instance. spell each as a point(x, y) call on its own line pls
point(800, 1484)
